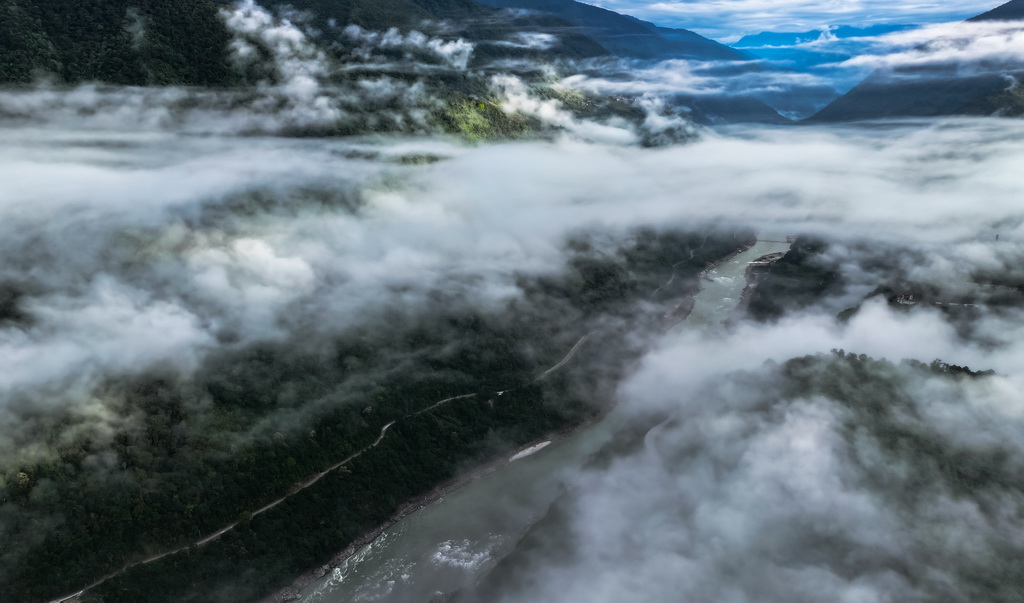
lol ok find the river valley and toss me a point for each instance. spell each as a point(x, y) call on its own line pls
point(448, 544)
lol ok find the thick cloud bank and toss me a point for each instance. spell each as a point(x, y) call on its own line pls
point(139, 253)
point(177, 245)
point(843, 479)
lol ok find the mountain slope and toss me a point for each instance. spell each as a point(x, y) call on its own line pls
point(626, 36)
point(1011, 11)
point(463, 18)
point(933, 90)
point(116, 41)
point(631, 38)
point(185, 42)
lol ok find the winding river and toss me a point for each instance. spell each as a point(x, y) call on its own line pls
point(447, 544)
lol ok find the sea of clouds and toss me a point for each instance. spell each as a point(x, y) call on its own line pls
point(135, 240)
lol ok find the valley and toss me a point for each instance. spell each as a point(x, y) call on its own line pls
point(509, 301)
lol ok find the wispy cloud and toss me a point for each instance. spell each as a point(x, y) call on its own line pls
point(728, 20)
point(972, 46)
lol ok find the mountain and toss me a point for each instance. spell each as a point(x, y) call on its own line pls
point(463, 18)
point(630, 38)
point(627, 36)
point(935, 89)
point(184, 42)
point(1011, 11)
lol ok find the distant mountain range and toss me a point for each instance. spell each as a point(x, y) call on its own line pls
point(630, 38)
point(792, 38)
point(627, 36)
point(797, 49)
point(935, 89)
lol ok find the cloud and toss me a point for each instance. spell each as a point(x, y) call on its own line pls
point(550, 111)
point(139, 248)
point(530, 40)
point(232, 233)
point(974, 47)
point(695, 78)
point(775, 470)
point(298, 85)
point(455, 53)
point(730, 19)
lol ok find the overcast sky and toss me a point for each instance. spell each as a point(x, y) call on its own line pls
point(728, 20)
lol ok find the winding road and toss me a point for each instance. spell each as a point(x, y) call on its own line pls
point(383, 432)
point(300, 487)
point(306, 484)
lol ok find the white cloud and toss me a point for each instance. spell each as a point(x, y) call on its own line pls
point(728, 20)
point(968, 47)
point(455, 53)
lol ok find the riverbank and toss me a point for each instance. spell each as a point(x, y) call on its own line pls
point(685, 307)
point(294, 590)
point(753, 275)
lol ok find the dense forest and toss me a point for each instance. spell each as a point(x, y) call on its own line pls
point(186, 42)
point(800, 279)
point(135, 42)
point(809, 277)
point(194, 455)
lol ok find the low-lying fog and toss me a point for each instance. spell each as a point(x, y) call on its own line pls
point(128, 252)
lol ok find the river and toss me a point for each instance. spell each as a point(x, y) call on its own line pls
point(447, 544)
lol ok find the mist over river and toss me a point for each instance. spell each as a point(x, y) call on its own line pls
point(449, 543)
point(185, 314)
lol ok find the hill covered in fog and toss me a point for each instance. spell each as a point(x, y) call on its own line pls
point(184, 42)
point(243, 46)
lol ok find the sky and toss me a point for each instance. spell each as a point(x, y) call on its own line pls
point(728, 20)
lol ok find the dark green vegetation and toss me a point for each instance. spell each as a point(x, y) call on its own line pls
point(798, 280)
point(185, 42)
point(188, 43)
point(137, 42)
point(808, 277)
point(192, 455)
point(370, 86)
point(937, 89)
point(147, 42)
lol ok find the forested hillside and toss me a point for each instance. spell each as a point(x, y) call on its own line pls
point(137, 42)
point(186, 42)
point(194, 455)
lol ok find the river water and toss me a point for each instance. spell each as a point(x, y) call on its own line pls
point(446, 545)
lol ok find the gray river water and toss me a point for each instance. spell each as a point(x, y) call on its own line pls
point(446, 545)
